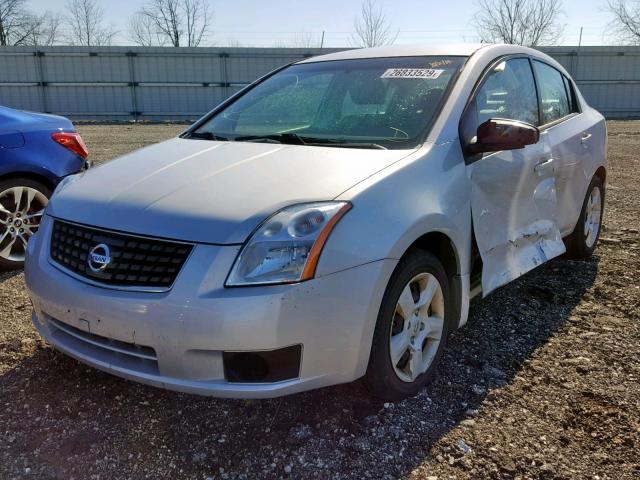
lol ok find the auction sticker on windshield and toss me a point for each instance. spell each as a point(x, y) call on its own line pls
point(411, 73)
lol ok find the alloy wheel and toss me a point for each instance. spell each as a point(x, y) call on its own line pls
point(592, 217)
point(21, 209)
point(417, 327)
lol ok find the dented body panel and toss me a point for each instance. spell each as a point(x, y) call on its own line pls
point(514, 207)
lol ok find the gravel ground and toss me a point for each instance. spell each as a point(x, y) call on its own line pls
point(543, 382)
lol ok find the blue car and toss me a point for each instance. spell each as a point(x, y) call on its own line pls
point(36, 152)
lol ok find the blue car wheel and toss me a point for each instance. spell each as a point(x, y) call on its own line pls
point(22, 204)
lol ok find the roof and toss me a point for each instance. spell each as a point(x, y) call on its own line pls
point(462, 49)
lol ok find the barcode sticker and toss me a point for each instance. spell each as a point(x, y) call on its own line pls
point(428, 73)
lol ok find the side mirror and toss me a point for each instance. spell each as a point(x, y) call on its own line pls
point(497, 134)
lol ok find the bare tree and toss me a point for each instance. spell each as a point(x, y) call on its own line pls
point(85, 24)
point(44, 30)
point(626, 20)
point(372, 28)
point(198, 19)
point(176, 22)
point(143, 31)
point(306, 40)
point(234, 43)
point(19, 26)
point(15, 22)
point(520, 22)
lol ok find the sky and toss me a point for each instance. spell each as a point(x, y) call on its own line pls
point(272, 23)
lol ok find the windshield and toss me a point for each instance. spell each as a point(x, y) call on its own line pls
point(363, 103)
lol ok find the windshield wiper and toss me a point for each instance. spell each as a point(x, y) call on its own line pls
point(343, 143)
point(295, 139)
point(288, 138)
point(206, 136)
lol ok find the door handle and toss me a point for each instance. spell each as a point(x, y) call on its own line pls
point(541, 167)
point(585, 137)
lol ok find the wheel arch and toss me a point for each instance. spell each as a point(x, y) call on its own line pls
point(442, 246)
point(444, 249)
point(37, 177)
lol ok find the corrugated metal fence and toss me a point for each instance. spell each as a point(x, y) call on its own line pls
point(137, 83)
point(126, 83)
point(608, 77)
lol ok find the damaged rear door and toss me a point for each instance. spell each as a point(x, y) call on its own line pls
point(513, 193)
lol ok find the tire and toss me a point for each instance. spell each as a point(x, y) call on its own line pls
point(394, 382)
point(583, 240)
point(24, 217)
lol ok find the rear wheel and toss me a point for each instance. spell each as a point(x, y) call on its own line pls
point(582, 241)
point(412, 328)
point(22, 204)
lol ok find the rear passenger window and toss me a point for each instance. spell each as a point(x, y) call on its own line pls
point(573, 103)
point(553, 93)
point(508, 92)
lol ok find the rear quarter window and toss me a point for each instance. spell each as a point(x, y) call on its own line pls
point(571, 93)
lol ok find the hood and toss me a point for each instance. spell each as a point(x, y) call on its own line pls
point(211, 192)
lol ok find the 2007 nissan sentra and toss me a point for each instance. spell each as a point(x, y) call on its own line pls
point(329, 222)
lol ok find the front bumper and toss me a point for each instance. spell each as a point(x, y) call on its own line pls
point(176, 339)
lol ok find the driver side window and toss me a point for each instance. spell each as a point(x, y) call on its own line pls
point(509, 92)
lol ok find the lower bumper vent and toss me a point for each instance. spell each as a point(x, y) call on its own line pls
point(263, 366)
point(131, 356)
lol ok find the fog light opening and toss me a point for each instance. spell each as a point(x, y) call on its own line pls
point(248, 367)
point(263, 366)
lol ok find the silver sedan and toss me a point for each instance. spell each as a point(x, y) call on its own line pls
point(329, 222)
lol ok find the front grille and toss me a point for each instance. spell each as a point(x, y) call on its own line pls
point(127, 261)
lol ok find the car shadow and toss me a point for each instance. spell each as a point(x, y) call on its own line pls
point(6, 275)
point(336, 429)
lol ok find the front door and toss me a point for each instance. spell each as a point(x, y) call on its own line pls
point(513, 193)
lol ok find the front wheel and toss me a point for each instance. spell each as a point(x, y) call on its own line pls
point(22, 204)
point(582, 241)
point(412, 328)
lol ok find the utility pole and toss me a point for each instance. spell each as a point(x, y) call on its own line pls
point(580, 39)
point(322, 40)
point(574, 71)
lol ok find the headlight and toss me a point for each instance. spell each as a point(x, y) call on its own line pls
point(287, 246)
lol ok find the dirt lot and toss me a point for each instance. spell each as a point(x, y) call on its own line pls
point(544, 382)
